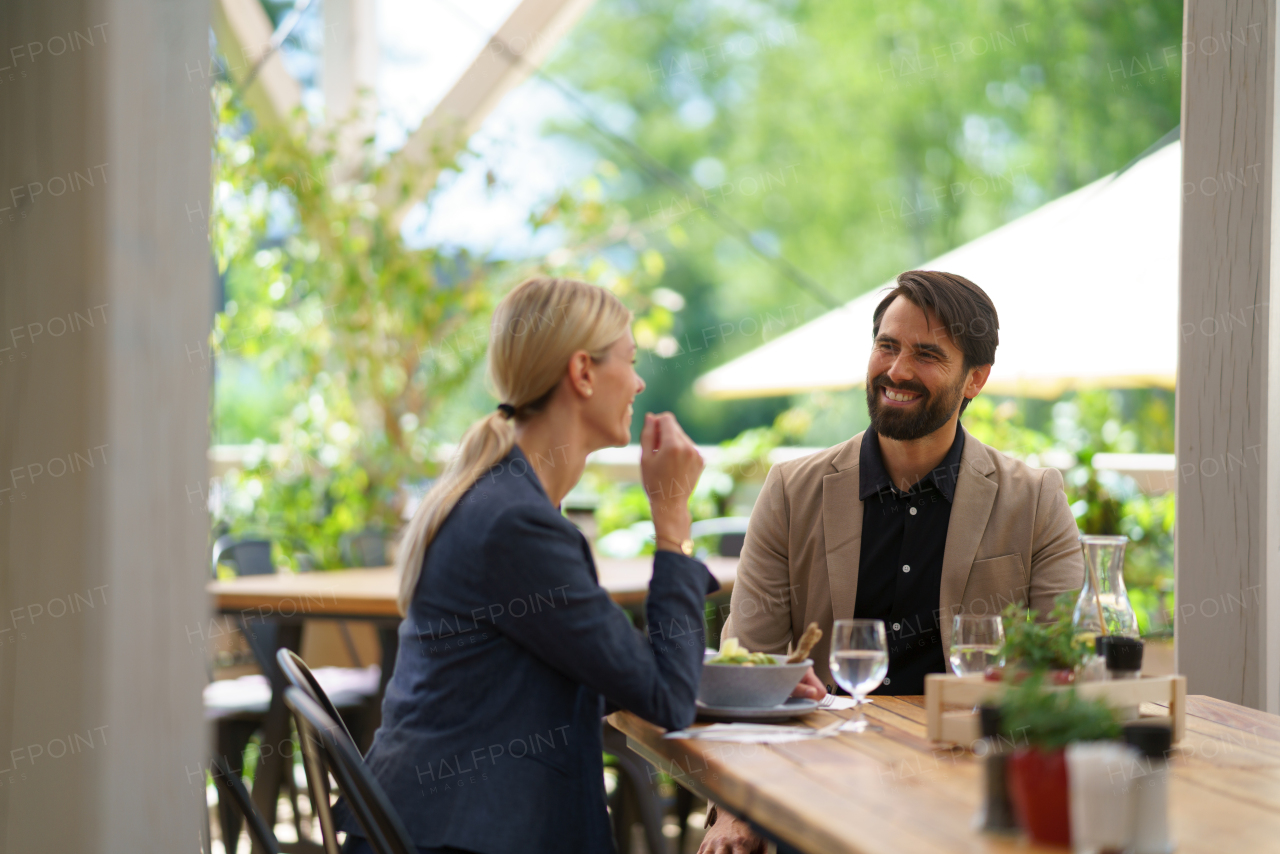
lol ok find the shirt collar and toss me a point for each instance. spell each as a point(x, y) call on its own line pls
point(873, 478)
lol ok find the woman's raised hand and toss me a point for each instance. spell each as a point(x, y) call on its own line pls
point(669, 466)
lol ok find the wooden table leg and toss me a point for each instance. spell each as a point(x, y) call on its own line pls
point(389, 638)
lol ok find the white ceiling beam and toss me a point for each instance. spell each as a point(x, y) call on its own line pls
point(510, 56)
point(350, 76)
point(244, 34)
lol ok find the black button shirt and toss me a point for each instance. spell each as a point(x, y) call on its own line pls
point(904, 535)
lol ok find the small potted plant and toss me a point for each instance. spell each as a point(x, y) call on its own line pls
point(1041, 723)
point(1031, 647)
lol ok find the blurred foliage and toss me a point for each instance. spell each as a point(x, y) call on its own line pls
point(742, 461)
point(856, 139)
point(1050, 720)
point(342, 345)
point(1037, 647)
point(1082, 425)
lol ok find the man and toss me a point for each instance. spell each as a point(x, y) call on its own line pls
point(910, 522)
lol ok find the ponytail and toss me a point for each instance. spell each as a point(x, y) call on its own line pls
point(535, 331)
point(484, 444)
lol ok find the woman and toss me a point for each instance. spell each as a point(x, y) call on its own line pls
point(491, 739)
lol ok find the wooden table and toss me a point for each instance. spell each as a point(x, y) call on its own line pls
point(371, 593)
point(285, 600)
point(895, 792)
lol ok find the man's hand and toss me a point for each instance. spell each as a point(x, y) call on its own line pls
point(810, 688)
point(731, 836)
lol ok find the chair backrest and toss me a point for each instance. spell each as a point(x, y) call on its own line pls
point(250, 557)
point(300, 675)
point(325, 752)
point(732, 531)
point(364, 548)
point(231, 789)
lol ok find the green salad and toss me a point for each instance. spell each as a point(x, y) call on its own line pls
point(731, 652)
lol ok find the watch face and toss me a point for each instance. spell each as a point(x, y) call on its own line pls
point(687, 547)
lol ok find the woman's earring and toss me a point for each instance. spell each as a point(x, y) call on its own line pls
point(590, 392)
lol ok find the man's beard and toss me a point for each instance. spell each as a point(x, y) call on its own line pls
point(920, 420)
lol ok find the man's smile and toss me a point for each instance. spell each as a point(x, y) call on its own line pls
point(895, 397)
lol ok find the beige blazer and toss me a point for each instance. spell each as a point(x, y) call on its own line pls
point(1011, 538)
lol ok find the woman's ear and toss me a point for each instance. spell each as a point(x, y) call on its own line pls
point(581, 373)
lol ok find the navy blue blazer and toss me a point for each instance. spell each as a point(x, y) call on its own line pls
point(491, 736)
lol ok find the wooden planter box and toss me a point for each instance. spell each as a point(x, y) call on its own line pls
point(950, 700)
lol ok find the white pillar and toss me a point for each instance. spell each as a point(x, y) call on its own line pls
point(1228, 411)
point(104, 291)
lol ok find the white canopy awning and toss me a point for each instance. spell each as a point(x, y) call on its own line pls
point(1086, 288)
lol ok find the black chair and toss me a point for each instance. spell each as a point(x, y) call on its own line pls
point(301, 677)
point(636, 800)
point(327, 749)
point(363, 548)
point(236, 722)
point(231, 791)
point(249, 557)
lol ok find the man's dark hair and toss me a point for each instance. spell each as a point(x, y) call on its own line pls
point(963, 308)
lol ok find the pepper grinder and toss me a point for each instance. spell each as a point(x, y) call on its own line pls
point(996, 815)
point(1123, 657)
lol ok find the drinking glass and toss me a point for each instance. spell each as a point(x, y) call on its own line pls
point(975, 643)
point(859, 662)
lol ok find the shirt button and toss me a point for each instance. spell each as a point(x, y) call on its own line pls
point(913, 511)
point(897, 626)
point(886, 681)
point(906, 568)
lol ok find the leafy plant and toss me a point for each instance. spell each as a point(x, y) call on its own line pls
point(1034, 646)
point(1052, 719)
point(368, 348)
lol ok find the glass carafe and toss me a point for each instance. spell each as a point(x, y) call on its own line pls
point(1103, 600)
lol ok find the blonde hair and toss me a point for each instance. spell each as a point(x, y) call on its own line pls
point(535, 330)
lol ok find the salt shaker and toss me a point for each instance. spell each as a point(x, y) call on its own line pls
point(1101, 799)
point(1153, 741)
point(997, 812)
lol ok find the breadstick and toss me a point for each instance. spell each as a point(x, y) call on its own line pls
point(812, 634)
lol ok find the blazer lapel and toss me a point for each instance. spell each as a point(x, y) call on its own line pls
point(971, 508)
point(842, 528)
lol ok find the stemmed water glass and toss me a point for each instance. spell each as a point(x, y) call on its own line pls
point(975, 643)
point(859, 662)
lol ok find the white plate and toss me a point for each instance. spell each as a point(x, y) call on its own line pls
point(793, 707)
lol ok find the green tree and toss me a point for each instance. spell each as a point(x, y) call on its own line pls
point(856, 139)
point(362, 340)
